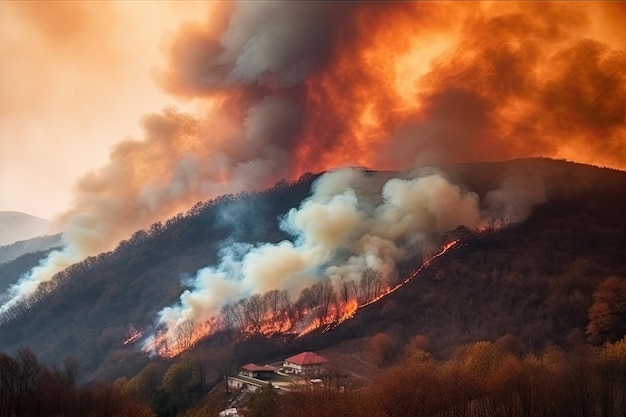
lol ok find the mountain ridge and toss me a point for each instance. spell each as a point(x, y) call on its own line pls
point(188, 242)
point(17, 226)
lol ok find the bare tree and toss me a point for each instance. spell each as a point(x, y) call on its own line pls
point(228, 319)
point(239, 314)
point(255, 313)
point(370, 285)
point(184, 334)
point(318, 299)
point(278, 305)
point(71, 367)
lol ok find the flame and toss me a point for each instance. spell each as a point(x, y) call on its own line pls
point(350, 308)
point(427, 263)
point(134, 337)
point(167, 345)
point(270, 325)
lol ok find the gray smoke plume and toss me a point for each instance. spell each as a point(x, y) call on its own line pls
point(283, 88)
point(350, 223)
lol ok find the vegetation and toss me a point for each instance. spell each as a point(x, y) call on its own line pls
point(29, 388)
point(88, 309)
point(481, 379)
point(555, 279)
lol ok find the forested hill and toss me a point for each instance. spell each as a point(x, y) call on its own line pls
point(535, 280)
point(98, 300)
point(557, 278)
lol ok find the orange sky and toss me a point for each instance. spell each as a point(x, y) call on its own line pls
point(271, 94)
point(75, 79)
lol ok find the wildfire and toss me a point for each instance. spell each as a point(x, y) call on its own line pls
point(171, 343)
point(389, 290)
point(168, 345)
point(134, 337)
point(352, 306)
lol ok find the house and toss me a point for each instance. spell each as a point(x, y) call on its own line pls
point(252, 370)
point(305, 363)
point(229, 412)
point(251, 377)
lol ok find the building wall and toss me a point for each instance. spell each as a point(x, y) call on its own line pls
point(314, 369)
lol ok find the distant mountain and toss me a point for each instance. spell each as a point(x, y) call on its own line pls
point(13, 251)
point(16, 226)
point(535, 280)
point(11, 271)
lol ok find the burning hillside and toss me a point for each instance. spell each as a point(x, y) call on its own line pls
point(348, 243)
point(538, 274)
point(284, 88)
point(273, 314)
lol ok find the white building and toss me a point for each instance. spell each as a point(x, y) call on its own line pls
point(306, 363)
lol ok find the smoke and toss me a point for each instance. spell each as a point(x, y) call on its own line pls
point(283, 88)
point(338, 233)
point(513, 201)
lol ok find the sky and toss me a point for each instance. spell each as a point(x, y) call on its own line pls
point(75, 79)
point(118, 115)
point(264, 91)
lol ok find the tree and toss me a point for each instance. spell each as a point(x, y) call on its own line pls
point(178, 381)
point(29, 371)
point(370, 285)
point(255, 313)
point(9, 369)
point(70, 369)
point(264, 402)
point(184, 334)
point(147, 381)
point(318, 299)
point(607, 314)
point(279, 309)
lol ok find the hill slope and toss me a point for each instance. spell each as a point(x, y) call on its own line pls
point(534, 280)
point(13, 251)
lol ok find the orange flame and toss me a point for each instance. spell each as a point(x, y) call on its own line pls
point(134, 337)
point(170, 345)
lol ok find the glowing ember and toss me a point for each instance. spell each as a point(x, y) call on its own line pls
point(132, 338)
point(352, 306)
point(186, 336)
point(170, 343)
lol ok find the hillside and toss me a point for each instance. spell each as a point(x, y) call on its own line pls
point(534, 280)
point(103, 297)
point(16, 226)
point(13, 251)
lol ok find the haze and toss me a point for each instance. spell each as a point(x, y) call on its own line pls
point(75, 79)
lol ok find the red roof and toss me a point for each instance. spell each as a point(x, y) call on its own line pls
point(306, 358)
point(254, 367)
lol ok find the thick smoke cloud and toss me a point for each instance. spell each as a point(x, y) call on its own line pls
point(284, 88)
point(349, 224)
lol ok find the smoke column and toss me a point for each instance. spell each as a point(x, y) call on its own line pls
point(349, 224)
point(354, 221)
point(282, 88)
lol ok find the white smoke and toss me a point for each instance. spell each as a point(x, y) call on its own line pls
point(339, 232)
point(513, 201)
point(239, 144)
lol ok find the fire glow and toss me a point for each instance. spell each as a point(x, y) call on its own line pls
point(352, 308)
point(187, 337)
point(284, 88)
